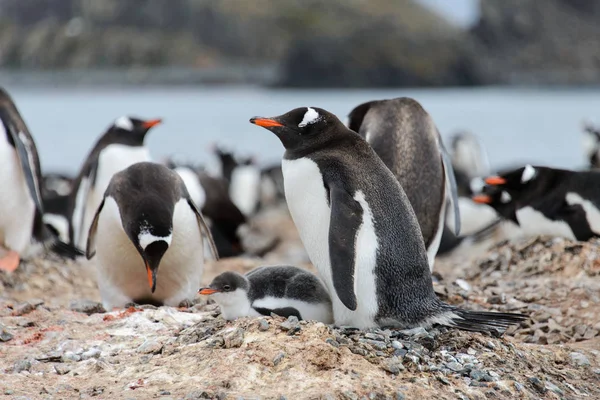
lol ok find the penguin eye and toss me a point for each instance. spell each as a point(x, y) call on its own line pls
point(226, 288)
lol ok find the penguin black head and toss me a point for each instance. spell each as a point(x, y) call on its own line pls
point(133, 128)
point(301, 127)
point(500, 200)
point(516, 180)
point(229, 290)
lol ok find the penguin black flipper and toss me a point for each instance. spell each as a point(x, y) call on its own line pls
point(90, 249)
point(282, 312)
point(345, 221)
point(203, 227)
point(450, 183)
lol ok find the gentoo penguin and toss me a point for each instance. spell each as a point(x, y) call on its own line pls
point(405, 137)
point(282, 290)
point(359, 228)
point(21, 207)
point(469, 161)
point(56, 189)
point(147, 228)
point(244, 180)
point(547, 201)
point(121, 145)
point(591, 145)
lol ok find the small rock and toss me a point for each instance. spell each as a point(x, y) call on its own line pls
point(70, 356)
point(22, 365)
point(443, 379)
point(490, 345)
point(332, 342)
point(8, 392)
point(464, 285)
point(553, 388)
point(416, 333)
point(497, 299)
point(150, 346)
point(400, 396)
point(91, 353)
point(290, 324)
point(25, 323)
point(22, 309)
point(454, 366)
point(350, 396)
point(62, 369)
point(263, 325)
point(53, 356)
point(278, 358)
point(392, 365)
point(400, 353)
point(233, 338)
point(519, 387)
point(537, 384)
point(199, 394)
point(480, 376)
point(375, 336)
point(397, 345)
point(87, 307)
point(579, 359)
point(375, 343)
point(164, 393)
point(5, 336)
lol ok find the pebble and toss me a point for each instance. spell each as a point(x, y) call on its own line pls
point(53, 356)
point(392, 365)
point(8, 392)
point(397, 345)
point(332, 342)
point(538, 384)
point(291, 324)
point(62, 369)
point(22, 365)
point(579, 359)
point(87, 307)
point(464, 285)
point(233, 338)
point(278, 358)
point(91, 353)
point(479, 376)
point(375, 336)
point(454, 366)
point(150, 346)
point(5, 336)
point(23, 308)
point(70, 356)
point(416, 333)
point(263, 325)
point(553, 388)
point(376, 344)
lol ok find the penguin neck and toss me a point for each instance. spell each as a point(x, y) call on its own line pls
point(234, 304)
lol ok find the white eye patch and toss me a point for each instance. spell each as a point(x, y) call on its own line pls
point(124, 123)
point(505, 198)
point(310, 117)
point(528, 174)
point(145, 238)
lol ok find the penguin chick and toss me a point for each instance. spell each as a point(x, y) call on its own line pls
point(148, 236)
point(282, 290)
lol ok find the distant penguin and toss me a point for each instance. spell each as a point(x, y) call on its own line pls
point(21, 206)
point(360, 230)
point(282, 290)
point(469, 161)
point(148, 237)
point(56, 190)
point(591, 145)
point(547, 201)
point(121, 145)
point(405, 137)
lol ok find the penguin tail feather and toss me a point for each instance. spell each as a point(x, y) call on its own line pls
point(494, 323)
point(64, 250)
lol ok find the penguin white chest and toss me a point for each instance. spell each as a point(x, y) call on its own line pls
point(16, 205)
point(307, 201)
point(244, 188)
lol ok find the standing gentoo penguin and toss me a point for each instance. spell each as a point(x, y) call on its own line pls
point(21, 207)
point(405, 137)
point(121, 146)
point(547, 201)
point(359, 228)
point(147, 220)
point(282, 290)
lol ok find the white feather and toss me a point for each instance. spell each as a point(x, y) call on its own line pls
point(60, 223)
point(528, 174)
point(234, 304)
point(505, 197)
point(309, 311)
point(535, 223)
point(591, 211)
point(145, 238)
point(121, 272)
point(310, 117)
point(124, 123)
point(244, 189)
point(18, 208)
point(307, 202)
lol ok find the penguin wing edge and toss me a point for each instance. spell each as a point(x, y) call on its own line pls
point(90, 249)
point(451, 185)
point(204, 229)
point(345, 221)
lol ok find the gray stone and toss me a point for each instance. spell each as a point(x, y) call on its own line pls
point(53, 356)
point(22, 365)
point(454, 366)
point(416, 333)
point(87, 307)
point(263, 325)
point(5, 336)
point(150, 346)
point(537, 384)
point(278, 358)
point(62, 369)
point(291, 324)
point(375, 336)
point(233, 337)
point(23, 308)
point(199, 394)
point(8, 392)
point(376, 344)
point(332, 342)
point(400, 396)
point(70, 356)
point(553, 388)
point(397, 345)
point(91, 353)
point(392, 365)
point(480, 376)
point(579, 359)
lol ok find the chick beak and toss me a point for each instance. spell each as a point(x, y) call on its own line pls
point(495, 180)
point(207, 291)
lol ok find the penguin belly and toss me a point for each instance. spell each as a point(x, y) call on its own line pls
point(245, 188)
point(308, 311)
point(112, 159)
point(534, 223)
point(307, 201)
point(121, 272)
point(17, 207)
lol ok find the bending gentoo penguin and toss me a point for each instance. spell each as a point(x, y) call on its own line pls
point(282, 290)
point(359, 228)
point(21, 207)
point(147, 220)
point(121, 146)
point(405, 137)
point(547, 201)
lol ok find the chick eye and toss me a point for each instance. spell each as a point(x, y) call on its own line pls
point(226, 288)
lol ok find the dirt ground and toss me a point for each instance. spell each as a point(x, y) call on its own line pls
point(55, 342)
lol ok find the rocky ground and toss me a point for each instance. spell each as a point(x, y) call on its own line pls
point(57, 342)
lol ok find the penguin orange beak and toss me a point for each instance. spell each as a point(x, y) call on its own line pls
point(151, 277)
point(207, 291)
point(265, 122)
point(482, 199)
point(495, 180)
point(153, 122)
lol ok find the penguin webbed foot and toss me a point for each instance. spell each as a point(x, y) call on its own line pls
point(9, 262)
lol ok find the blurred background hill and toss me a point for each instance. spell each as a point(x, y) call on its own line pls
point(302, 43)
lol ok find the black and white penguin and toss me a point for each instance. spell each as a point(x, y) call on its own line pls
point(21, 206)
point(119, 147)
point(282, 290)
point(148, 237)
point(405, 137)
point(56, 191)
point(547, 201)
point(591, 145)
point(360, 230)
point(469, 161)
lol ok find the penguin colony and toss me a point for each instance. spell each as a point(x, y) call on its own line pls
point(374, 200)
